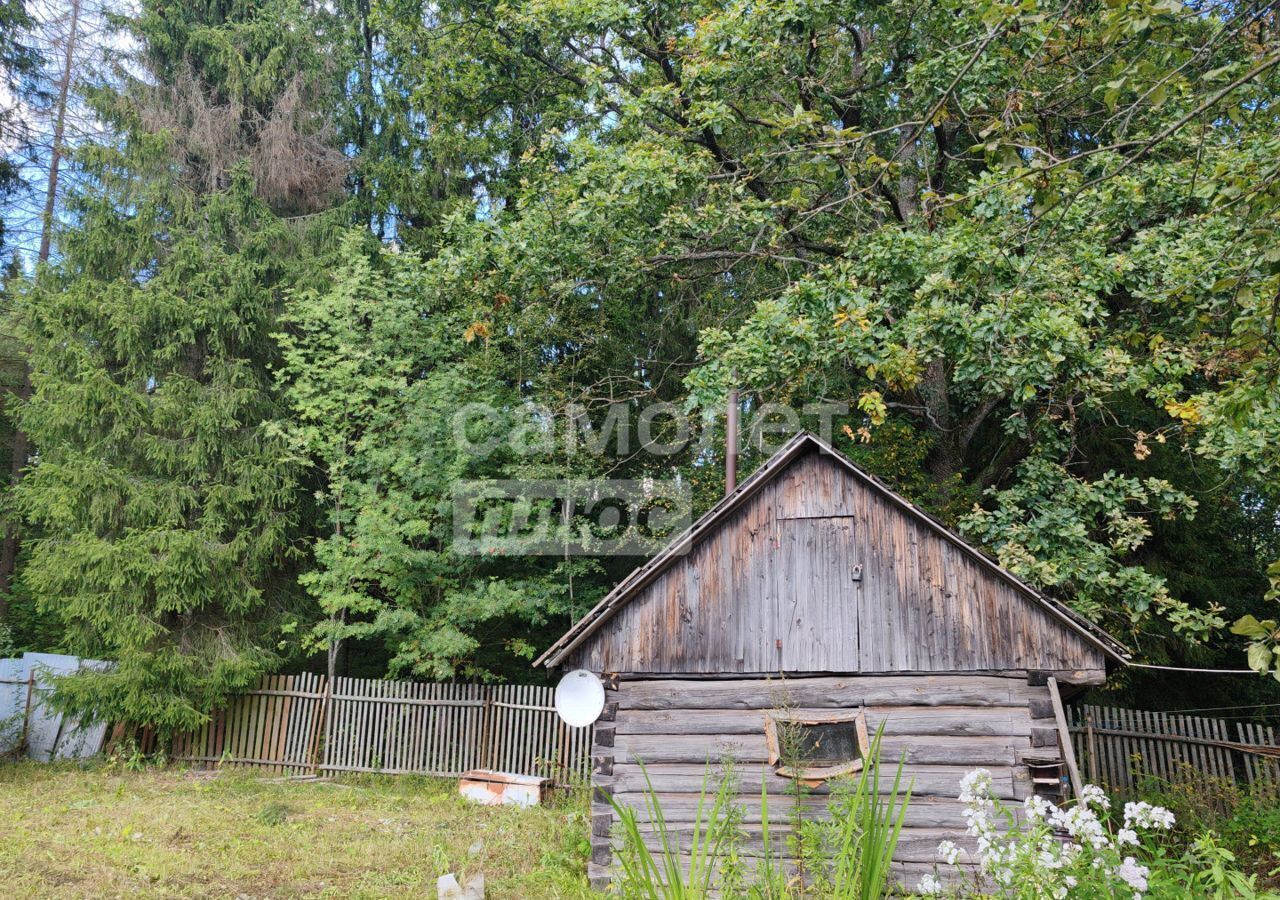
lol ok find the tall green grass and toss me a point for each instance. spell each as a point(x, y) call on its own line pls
point(661, 873)
point(847, 857)
point(860, 840)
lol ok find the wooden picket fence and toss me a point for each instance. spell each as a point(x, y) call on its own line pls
point(303, 724)
point(1119, 748)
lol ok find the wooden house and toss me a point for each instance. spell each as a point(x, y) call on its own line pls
point(815, 597)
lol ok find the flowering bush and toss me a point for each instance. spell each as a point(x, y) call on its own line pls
point(1076, 851)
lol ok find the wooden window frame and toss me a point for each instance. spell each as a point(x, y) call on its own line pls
point(816, 773)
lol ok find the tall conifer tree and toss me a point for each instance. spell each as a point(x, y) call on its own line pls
point(164, 502)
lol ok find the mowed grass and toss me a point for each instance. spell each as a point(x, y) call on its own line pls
point(74, 832)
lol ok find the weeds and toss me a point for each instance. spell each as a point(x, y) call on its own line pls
point(1245, 821)
point(72, 832)
point(670, 871)
point(844, 858)
point(862, 835)
point(274, 813)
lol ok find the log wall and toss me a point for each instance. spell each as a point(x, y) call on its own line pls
point(943, 725)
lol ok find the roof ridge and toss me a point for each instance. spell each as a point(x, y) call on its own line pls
point(655, 565)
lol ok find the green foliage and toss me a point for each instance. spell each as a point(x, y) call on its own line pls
point(1242, 821)
point(844, 203)
point(163, 502)
point(375, 366)
point(1033, 252)
point(845, 856)
point(1263, 652)
point(1252, 834)
point(1065, 533)
point(1206, 869)
point(675, 870)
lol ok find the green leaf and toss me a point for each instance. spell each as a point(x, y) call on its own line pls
point(1259, 657)
point(1248, 626)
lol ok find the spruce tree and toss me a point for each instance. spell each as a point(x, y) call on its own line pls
point(164, 503)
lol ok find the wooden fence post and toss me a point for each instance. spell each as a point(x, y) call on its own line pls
point(317, 725)
point(487, 729)
point(1091, 746)
point(562, 764)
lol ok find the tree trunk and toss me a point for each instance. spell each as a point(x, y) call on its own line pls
point(946, 460)
point(335, 647)
point(21, 443)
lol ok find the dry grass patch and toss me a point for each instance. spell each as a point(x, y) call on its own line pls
point(74, 832)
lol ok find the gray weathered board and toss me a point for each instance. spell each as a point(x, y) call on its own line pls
point(820, 570)
point(293, 724)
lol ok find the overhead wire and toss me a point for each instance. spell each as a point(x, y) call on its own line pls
point(1197, 671)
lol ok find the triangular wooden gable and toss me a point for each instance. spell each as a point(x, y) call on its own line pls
point(815, 567)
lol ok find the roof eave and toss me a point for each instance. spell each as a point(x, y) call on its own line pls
point(616, 598)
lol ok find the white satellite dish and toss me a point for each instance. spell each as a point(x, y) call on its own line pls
point(579, 698)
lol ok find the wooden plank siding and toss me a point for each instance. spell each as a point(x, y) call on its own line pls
point(819, 573)
point(813, 587)
point(688, 732)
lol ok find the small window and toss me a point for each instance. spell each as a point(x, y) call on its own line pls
point(812, 746)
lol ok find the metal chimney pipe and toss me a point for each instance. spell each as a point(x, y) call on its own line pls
point(731, 444)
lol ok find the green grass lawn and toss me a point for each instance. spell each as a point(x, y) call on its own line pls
point(96, 832)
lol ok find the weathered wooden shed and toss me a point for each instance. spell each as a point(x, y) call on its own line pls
point(815, 596)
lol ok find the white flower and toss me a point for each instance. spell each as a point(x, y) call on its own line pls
point(1049, 859)
point(1133, 874)
point(948, 852)
point(975, 786)
point(1083, 824)
point(1092, 795)
point(1127, 836)
point(978, 819)
point(1144, 815)
point(1039, 809)
point(929, 885)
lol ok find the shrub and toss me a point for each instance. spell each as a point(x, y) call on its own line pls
point(1078, 851)
point(1247, 825)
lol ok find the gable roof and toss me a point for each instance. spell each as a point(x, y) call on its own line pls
point(798, 445)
